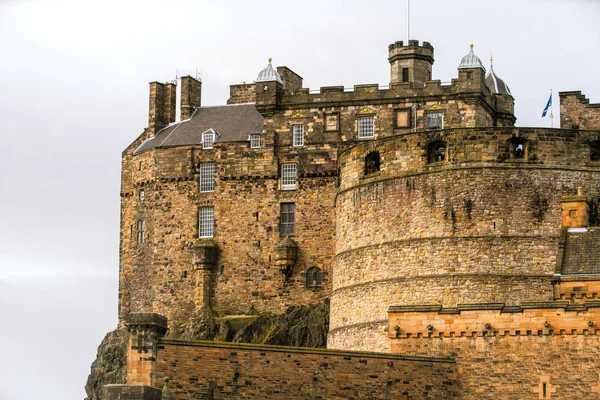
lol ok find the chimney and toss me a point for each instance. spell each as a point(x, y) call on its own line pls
point(574, 210)
point(162, 105)
point(191, 93)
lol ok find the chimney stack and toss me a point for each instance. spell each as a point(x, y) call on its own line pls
point(162, 105)
point(574, 210)
point(191, 94)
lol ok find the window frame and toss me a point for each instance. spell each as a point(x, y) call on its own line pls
point(429, 116)
point(254, 139)
point(289, 176)
point(409, 112)
point(141, 195)
point(208, 144)
point(207, 178)
point(405, 75)
point(314, 278)
point(140, 231)
point(206, 222)
point(287, 219)
point(297, 135)
point(365, 125)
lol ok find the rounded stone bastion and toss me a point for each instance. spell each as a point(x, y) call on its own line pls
point(453, 216)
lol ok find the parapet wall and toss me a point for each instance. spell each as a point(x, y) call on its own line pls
point(576, 112)
point(207, 370)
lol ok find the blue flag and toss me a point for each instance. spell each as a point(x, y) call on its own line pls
point(547, 106)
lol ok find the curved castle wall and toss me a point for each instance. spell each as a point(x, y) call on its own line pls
point(481, 226)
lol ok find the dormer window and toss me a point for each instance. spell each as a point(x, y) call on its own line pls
point(208, 138)
point(435, 120)
point(254, 141)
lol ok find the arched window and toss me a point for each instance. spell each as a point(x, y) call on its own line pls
point(314, 278)
point(372, 163)
point(436, 151)
point(595, 151)
point(517, 147)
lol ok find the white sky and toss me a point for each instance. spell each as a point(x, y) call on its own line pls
point(74, 93)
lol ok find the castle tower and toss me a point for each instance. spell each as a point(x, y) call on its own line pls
point(505, 103)
point(410, 63)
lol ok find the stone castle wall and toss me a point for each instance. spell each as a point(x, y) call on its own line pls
point(479, 227)
point(576, 112)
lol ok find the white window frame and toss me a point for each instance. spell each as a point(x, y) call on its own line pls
point(297, 135)
point(287, 219)
point(141, 195)
point(366, 127)
point(208, 138)
point(140, 234)
point(206, 222)
point(207, 176)
point(433, 116)
point(288, 176)
point(254, 141)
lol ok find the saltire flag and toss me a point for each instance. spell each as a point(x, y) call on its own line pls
point(547, 106)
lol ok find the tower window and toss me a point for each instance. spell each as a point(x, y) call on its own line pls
point(404, 74)
point(141, 231)
point(254, 141)
point(595, 151)
point(208, 138)
point(365, 127)
point(141, 195)
point(298, 135)
point(207, 177)
point(434, 121)
point(314, 278)
point(436, 151)
point(287, 225)
point(206, 222)
point(288, 177)
point(372, 163)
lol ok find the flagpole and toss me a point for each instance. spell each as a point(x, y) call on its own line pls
point(551, 112)
point(408, 20)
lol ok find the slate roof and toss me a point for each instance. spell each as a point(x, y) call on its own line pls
point(233, 123)
point(496, 84)
point(581, 255)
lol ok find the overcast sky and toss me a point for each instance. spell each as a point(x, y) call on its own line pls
point(74, 93)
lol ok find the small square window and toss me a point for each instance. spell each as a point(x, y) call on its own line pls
point(298, 135)
point(287, 218)
point(254, 141)
point(208, 138)
point(288, 177)
point(435, 121)
point(206, 222)
point(207, 177)
point(365, 127)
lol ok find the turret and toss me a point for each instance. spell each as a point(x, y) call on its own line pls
point(504, 101)
point(269, 87)
point(410, 63)
point(471, 73)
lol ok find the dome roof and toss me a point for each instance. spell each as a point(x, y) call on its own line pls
point(495, 84)
point(269, 74)
point(471, 61)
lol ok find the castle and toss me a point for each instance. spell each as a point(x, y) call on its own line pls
point(458, 252)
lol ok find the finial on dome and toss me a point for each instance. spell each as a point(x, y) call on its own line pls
point(270, 59)
point(472, 45)
point(491, 60)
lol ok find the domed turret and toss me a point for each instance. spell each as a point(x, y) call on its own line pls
point(471, 61)
point(494, 83)
point(269, 74)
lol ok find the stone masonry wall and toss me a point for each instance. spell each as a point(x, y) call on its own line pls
point(211, 370)
point(576, 112)
point(531, 353)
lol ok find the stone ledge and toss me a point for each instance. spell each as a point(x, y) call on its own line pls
point(131, 392)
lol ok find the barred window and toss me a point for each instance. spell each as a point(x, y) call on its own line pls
point(206, 222)
point(435, 121)
point(365, 127)
point(288, 177)
point(254, 141)
point(207, 177)
point(208, 139)
point(314, 278)
point(141, 231)
point(287, 219)
point(298, 131)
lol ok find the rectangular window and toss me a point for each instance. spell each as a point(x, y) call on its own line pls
point(254, 141)
point(206, 222)
point(298, 133)
point(207, 177)
point(287, 219)
point(403, 118)
point(141, 231)
point(288, 177)
point(404, 74)
point(208, 139)
point(435, 121)
point(365, 127)
point(142, 195)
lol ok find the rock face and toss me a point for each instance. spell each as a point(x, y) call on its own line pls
point(299, 326)
point(110, 363)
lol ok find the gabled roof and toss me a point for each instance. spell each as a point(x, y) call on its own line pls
point(234, 123)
